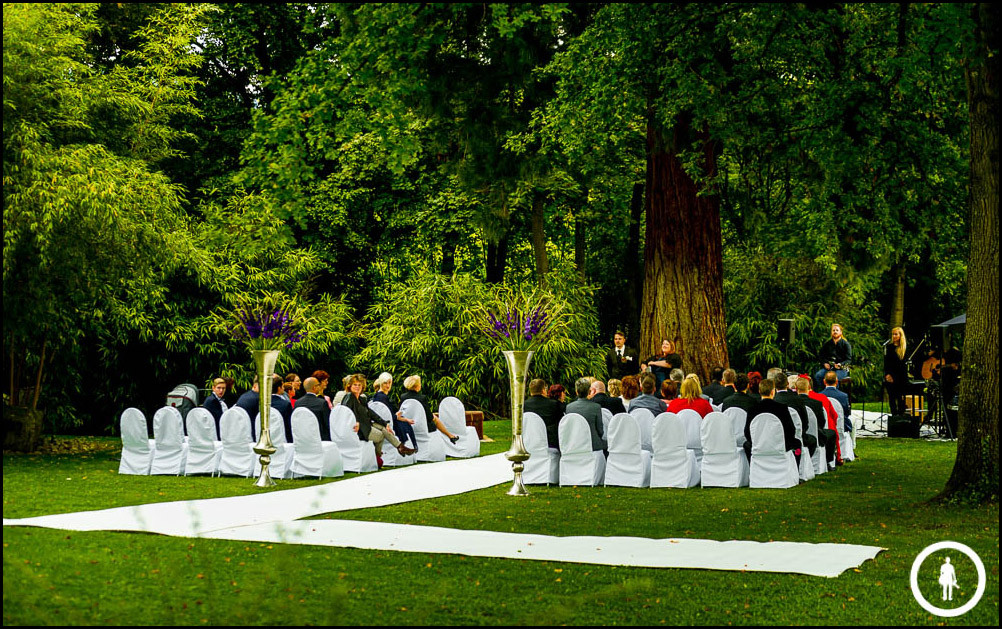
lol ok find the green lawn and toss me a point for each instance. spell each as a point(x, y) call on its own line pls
point(60, 577)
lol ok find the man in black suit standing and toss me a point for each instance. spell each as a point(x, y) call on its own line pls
point(591, 411)
point(767, 389)
point(621, 360)
point(318, 405)
point(740, 399)
point(598, 395)
point(548, 410)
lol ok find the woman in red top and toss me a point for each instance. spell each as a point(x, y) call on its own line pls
point(691, 397)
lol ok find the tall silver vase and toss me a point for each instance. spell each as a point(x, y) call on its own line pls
point(264, 361)
point(518, 370)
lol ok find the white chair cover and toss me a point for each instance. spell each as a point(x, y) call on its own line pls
point(806, 470)
point(819, 458)
point(357, 455)
point(645, 421)
point(724, 463)
point(606, 419)
point(628, 465)
point(772, 465)
point(171, 450)
point(579, 464)
point(391, 456)
point(238, 452)
point(691, 420)
point(543, 466)
point(738, 417)
point(453, 414)
point(673, 464)
point(430, 446)
point(281, 461)
point(204, 452)
point(311, 456)
point(137, 447)
point(844, 441)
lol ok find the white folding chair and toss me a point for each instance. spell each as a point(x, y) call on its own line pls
point(453, 415)
point(357, 455)
point(673, 463)
point(171, 449)
point(204, 452)
point(772, 465)
point(819, 458)
point(238, 453)
point(543, 466)
point(645, 421)
point(628, 465)
point(312, 456)
point(391, 456)
point(844, 441)
point(691, 420)
point(738, 417)
point(579, 464)
point(281, 462)
point(137, 447)
point(724, 463)
point(429, 446)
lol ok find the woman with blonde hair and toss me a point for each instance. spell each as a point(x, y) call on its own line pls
point(896, 371)
point(371, 427)
point(691, 396)
point(615, 388)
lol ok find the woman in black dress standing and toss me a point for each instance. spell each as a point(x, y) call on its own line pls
point(896, 371)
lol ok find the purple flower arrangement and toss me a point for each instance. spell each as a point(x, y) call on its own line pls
point(519, 330)
point(267, 326)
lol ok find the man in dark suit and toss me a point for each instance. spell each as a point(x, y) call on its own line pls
point(728, 389)
point(831, 390)
point(318, 405)
point(767, 404)
point(281, 403)
point(548, 410)
point(621, 360)
point(714, 390)
point(598, 395)
point(249, 401)
point(827, 438)
point(591, 411)
point(798, 403)
point(214, 402)
point(740, 399)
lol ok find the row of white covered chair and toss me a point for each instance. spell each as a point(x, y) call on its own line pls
point(171, 453)
point(671, 450)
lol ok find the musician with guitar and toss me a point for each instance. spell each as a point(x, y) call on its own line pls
point(835, 355)
point(896, 371)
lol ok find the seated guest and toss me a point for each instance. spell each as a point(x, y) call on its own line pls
point(598, 395)
point(768, 405)
point(289, 392)
point(323, 378)
point(401, 426)
point(691, 396)
point(591, 411)
point(550, 411)
point(677, 375)
point(827, 438)
point(728, 389)
point(615, 388)
point(661, 364)
point(230, 396)
point(281, 403)
point(713, 390)
point(412, 391)
point(630, 389)
point(784, 395)
point(832, 391)
point(343, 392)
point(249, 401)
point(370, 426)
point(318, 405)
point(558, 393)
point(754, 378)
point(740, 399)
point(647, 399)
point(214, 402)
point(669, 390)
point(297, 385)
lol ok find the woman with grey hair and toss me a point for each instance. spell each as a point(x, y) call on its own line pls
point(401, 425)
point(412, 384)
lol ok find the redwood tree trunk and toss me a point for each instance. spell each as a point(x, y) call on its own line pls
point(539, 241)
point(898, 306)
point(683, 265)
point(497, 259)
point(976, 470)
point(631, 264)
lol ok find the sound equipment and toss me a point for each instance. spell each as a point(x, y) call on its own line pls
point(785, 332)
point(903, 426)
point(939, 335)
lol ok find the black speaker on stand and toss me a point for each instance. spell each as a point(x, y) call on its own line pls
point(785, 333)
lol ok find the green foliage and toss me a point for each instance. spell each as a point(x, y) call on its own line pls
point(432, 327)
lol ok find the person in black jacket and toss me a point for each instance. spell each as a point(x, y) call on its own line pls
point(412, 386)
point(371, 426)
point(768, 405)
point(550, 411)
point(896, 371)
point(214, 402)
point(316, 404)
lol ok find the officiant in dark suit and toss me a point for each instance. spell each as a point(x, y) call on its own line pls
point(621, 360)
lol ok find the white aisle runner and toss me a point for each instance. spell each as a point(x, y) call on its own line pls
point(276, 517)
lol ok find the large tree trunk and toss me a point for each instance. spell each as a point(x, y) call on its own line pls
point(631, 264)
point(976, 470)
point(898, 305)
point(683, 265)
point(497, 259)
point(539, 240)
